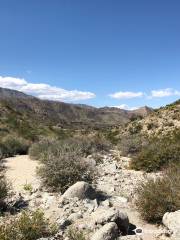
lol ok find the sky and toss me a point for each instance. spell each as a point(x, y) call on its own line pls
point(122, 53)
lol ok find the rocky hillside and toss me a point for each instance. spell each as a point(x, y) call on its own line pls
point(159, 122)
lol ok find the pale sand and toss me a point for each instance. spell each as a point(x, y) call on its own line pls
point(21, 170)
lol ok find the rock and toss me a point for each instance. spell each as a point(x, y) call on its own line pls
point(91, 205)
point(63, 223)
point(107, 232)
point(111, 168)
point(172, 221)
point(106, 215)
point(106, 203)
point(74, 216)
point(130, 237)
point(118, 201)
point(81, 190)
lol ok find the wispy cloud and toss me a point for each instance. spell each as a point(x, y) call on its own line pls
point(167, 92)
point(126, 107)
point(126, 95)
point(44, 91)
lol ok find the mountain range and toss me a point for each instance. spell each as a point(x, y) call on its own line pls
point(63, 114)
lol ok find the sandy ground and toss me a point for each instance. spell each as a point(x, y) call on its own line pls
point(21, 170)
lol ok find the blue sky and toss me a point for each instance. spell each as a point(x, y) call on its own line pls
point(99, 52)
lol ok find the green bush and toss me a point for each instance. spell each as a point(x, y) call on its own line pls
point(158, 153)
point(12, 145)
point(156, 197)
point(29, 226)
point(4, 189)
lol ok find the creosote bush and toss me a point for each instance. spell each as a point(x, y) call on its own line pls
point(156, 197)
point(29, 226)
point(63, 160)
point(158, 154)
point(59, 173)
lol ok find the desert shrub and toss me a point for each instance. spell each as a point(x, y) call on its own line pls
point(63, 163)
point(158, 153)
point(38, 150)
point(15, 145)
point(74, 234)
point(131, 144)
point(3, 151)
point(135, 128)
point(135, 118)
point(59, 173)
point(156, 197)
point(4, 189)
point(28, 187)
point(29, 226)
point(151, 126)
point(83, 146)
point(11, 145)
point(111, 135)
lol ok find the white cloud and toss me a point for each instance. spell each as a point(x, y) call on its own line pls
point(164, 93)
point(125, 107)
point(126, 95)
point(44, 91)
point(11, 82)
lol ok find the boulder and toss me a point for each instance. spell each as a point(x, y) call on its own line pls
point(172, 221)
point(80, 190)
point(105, 215)
point(108, 232)
point(75, 216)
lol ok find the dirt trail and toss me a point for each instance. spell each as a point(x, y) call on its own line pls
point(21, 170)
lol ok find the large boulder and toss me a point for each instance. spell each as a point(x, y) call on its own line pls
point(172, 221)
point(80, 190)
point(105, 215)
point(108, 232)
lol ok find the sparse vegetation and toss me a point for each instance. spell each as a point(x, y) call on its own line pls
point(158, 153)
point(156, 197)
point(29, 226)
